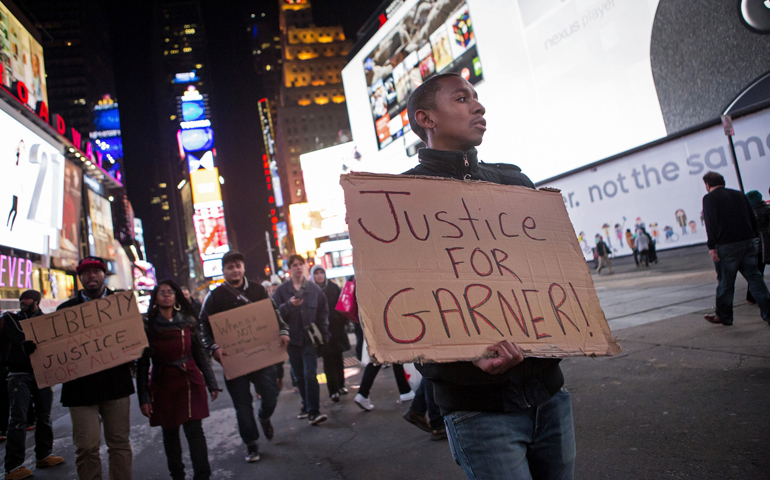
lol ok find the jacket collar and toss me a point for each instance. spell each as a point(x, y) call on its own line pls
point(451, 162)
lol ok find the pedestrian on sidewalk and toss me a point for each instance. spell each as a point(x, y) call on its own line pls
point(235, 292)
point(100, 400)
point(23, 391)
point(762, 214)
point(632, 245)
point(303, 305)
point(339, 342)
point(194, 302)
point(507, 416)
point(603, 252)
point(731, 228)
point(422, 405)
point(370, 373)
point(643, 244)
point(175, 394)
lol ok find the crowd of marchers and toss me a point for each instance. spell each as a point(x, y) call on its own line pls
point(505, 416)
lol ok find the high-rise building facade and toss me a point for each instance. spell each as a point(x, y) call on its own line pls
point(186, 197)
point(311, 112)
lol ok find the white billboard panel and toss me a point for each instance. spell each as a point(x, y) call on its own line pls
point(321, 171)
point(31, 187)
point(565, 83)
point(662, 187)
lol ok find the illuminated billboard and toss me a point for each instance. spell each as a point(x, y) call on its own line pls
point(101, 238)
point(21, 58)
point(211, 233)
point(399, 64)
point(31, 186)
point(564, 83)
point(68, 252)
point(196, 139)
point(302, 229)
point(193, 110)
point(205, 188)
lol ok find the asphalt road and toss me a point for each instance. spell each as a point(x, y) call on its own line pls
point(685, 399)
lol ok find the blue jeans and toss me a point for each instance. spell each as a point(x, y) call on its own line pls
point(304, 364)
point(23, 390)
point(266, 385)
point(423, 403)
point(733, 258)
point(536, 443)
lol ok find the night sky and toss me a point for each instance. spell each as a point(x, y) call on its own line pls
point(234, 93)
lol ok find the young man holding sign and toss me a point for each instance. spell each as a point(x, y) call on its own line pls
point(507, 416)
point(236, 292)
point(102, 398)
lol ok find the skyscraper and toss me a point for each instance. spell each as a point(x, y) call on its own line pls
point(193, 235)
point(311, 112)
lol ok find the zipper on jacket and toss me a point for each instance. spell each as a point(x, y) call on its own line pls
point(189, 393)
point(467, 175)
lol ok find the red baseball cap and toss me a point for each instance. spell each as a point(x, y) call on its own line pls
point(90, 262)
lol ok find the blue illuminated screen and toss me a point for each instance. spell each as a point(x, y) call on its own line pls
point(197, 139)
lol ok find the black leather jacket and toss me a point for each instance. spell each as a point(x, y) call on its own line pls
point(461, 386)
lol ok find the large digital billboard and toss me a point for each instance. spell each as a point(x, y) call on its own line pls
point(68, 253)
point(31, 186)
point(440, 39)
point(205, 188)
point(565, 82)
point(101, 235)
point(21, 58)
point(211, 233)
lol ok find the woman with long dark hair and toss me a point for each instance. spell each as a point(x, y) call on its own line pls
point(175, 395)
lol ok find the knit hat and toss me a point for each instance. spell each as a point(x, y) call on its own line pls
point(317, 268)
point(755, 198)
point(90, 262)
point(33, 294)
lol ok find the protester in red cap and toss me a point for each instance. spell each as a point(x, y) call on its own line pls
point(102, 398)
point(22, 391)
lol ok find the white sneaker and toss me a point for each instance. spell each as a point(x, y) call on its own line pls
point(405, 397)
point(364, 403)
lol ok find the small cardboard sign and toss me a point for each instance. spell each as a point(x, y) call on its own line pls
point(445, 268)
point(85, 339)
point(248, 337)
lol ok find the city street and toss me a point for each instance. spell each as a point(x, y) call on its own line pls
point(685, 399)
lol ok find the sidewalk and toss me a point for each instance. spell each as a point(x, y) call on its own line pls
point(685, 399)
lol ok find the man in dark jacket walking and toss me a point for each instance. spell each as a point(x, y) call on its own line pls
point(731, 229)
point(762, 214)
point(236, 292)
point(303, 305)
point(338, 341)
point(23, 390)
point(100, 399)
point(507, 417)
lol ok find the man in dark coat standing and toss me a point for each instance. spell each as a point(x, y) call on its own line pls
point(238, 291)
point(731, 228)
point(22, 391)
point(339, 341)
point(100, 399)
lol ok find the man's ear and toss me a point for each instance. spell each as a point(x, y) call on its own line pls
point(424, 119)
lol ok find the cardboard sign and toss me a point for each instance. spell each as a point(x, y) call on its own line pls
point(445, 268)
point(248, 336)
point(86, 338)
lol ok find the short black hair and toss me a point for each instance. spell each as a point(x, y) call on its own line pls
point(424, 98)
point(713, 179)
